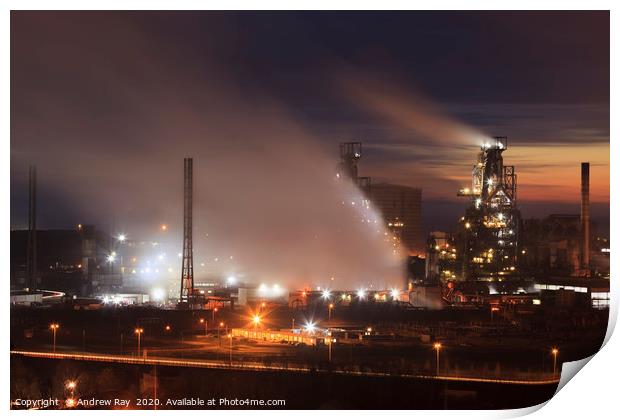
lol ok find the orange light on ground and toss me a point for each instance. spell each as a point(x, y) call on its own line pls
point(221, 324)
point(54, 327)
point(202, 320)
point(70, 402)
point(437, 347)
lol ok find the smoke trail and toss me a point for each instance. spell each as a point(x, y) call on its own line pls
point(109, 121)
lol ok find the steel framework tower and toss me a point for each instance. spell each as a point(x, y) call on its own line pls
point(350, 154)
point(491, 225)
point(187, 271)
point(31, 257)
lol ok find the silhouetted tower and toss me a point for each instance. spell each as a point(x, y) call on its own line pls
point(350, 154)
point(585, 218)
point(31, 254)
point(187, 272)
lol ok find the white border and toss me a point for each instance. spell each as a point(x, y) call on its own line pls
point(592, 395)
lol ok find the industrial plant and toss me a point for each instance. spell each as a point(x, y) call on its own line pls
point(244, 241)
point(533, 279)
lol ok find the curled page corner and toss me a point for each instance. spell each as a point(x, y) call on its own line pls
point(569, 370)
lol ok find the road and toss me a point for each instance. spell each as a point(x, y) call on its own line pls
point(107, 358)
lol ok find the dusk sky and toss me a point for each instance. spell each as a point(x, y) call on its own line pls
point(107, 105)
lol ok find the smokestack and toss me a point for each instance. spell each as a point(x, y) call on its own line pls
point(31, 255)
point(585, 218)
point(187, 272)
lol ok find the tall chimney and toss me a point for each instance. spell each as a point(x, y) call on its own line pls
point(585, 218)
point(31, 257)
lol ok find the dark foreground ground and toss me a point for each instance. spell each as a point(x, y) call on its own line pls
point(45, 378)
point(508, 345)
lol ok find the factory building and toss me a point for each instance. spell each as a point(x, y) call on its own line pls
point(441, 257)
point(71, 261)
point(564, 244)
point(552, 245)
point(401, 208)
point(278, 336)
point(399, 205)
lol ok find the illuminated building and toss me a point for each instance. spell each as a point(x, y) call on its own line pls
point(489, 241)
point(441, 257)
point(72, 261)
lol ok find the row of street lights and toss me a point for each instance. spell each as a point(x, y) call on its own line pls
point(256, 319)
point(554, 352)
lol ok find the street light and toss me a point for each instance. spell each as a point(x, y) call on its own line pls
point(70, 385)
point(493, 309)
point(329, 311)
point(213, 312)
point(256, 320)
point(230, 350)
point(203, 321)
point(554, 352)
point(329, 341)
point(167, 327)
point(139, 332)
point(110, 259)
point(437, 347)
point(54, 327)
point(220, 325)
